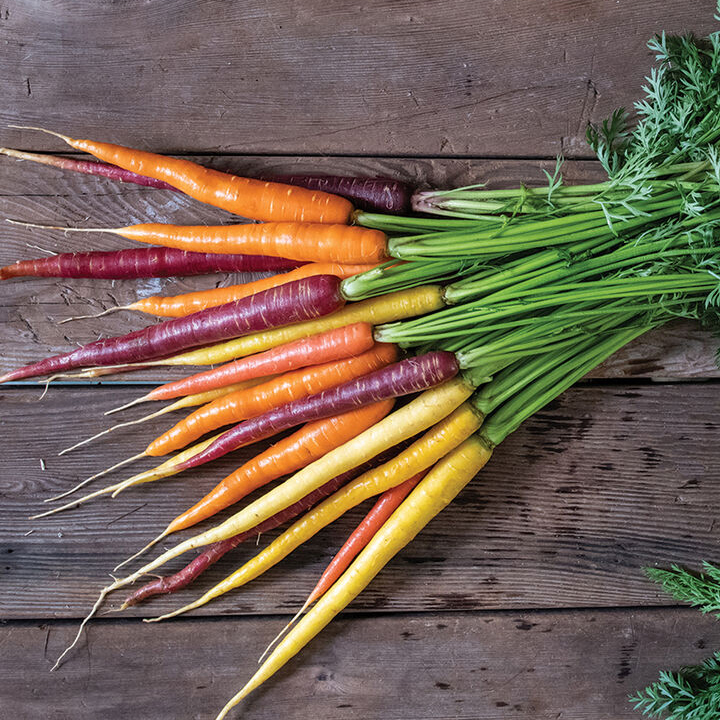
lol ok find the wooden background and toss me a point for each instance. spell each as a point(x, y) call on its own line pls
point(526, 598)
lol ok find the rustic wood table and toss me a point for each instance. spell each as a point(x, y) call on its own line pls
point(526, 598)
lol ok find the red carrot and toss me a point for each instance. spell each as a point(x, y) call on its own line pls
point(142, 263)
point(214, 552)
point(361, 536)
point(401, 378)
point(283, 305)
point(329, 346)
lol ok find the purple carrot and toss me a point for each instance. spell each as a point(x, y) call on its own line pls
point(401, 378)
point(142, 263)
point(197, 566)
point(282, 305)
point(367, 193)
point(89, 167)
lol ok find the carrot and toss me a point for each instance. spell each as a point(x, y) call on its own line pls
point(310, 242)
point(401, 378)
point(433, 493)
point(275, 393)
point(285, 304)
point(376, 311)
point(417, 415)
point(385, 506)
point(431, 447)
point(366, 193)
point(254, 199)
point(329, 346)
point(181, 305)
point(145, 263)
point(188, 574)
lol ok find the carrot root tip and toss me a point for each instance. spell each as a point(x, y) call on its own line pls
point(97, 315)
point(64, 138)
point(137, 401)
point(142, 550)
point(103, 594)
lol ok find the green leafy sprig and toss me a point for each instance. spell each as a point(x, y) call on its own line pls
point(692, 693)
point(701, 590)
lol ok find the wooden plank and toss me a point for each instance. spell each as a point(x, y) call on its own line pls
point(489, 666)
point(603, 482)
point(330, 77)
point(31, 308)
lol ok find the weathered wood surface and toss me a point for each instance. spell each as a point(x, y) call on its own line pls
point(460, 78)
point(469, 666)
point(610, 478)
point(30, 308)
point(603, 482)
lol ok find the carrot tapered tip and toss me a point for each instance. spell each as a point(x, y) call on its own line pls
point(137, 401)
point(280, 635)
point(95, 608)
point(142, 550)
point(64, 138)
point(96, 475)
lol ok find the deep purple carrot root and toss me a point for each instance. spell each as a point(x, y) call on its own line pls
point(372, 193)
point(142, 263)
point(401, 378)
point(292, 302)
point(197, 566)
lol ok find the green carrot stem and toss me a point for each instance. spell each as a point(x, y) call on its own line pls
point(510, 415)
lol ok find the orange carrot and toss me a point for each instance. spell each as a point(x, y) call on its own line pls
point(261, 398)
point(301, 448)
point(255, 199)
point(311, 242)
point(180, 305)
point(325, 347)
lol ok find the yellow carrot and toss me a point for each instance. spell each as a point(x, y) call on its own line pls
point(431, 495)
point(424, 452)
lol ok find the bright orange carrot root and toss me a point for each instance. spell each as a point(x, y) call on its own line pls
point(254, 199)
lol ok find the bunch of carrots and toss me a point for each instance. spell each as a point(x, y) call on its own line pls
point(398, 350)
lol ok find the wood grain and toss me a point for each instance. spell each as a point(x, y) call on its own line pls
point(460, 666)
point(379, 78)
point(31, 308)
point(601, 483)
